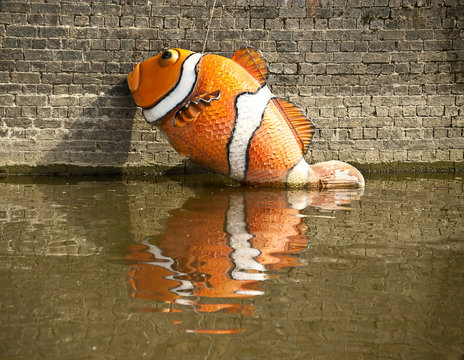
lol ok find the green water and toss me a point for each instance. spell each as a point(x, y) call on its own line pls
point(190, 268)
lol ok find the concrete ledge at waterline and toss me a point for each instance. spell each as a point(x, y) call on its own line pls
point(397, 167)
point(78, 170)
point(190, 168)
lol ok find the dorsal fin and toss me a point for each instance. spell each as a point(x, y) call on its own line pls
point(253, 61)
point(301, 126)
point(189, 112)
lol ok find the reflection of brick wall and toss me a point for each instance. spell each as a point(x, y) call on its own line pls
point(382, 80)
point(52, 219)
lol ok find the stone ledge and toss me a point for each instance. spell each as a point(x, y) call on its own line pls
point(190, 168)
point(400, 167)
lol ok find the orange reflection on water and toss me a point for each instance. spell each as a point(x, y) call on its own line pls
point(217, 249)
point(214, 331)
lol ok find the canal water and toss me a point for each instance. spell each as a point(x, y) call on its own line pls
point(195, 268)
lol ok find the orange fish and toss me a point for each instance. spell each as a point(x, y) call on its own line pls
point(221, 113)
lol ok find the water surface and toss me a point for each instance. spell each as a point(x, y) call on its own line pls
point(112, 269)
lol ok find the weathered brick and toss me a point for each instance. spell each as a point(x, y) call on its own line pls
point(15, 7)
point(6, 100)
point(376, 58)
point(271, 12)
point(347, 57)
point(22, 31)
point(63, 100)
point(36, 100)
point(25, 78)
point(36, 54)
point(11, 54)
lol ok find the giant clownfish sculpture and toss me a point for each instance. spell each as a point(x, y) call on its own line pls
point(221, 114)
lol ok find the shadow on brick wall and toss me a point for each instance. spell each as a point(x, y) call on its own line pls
point(97, 130)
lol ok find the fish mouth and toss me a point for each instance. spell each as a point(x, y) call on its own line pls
point(133, 79)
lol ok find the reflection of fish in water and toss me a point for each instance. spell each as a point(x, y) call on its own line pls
point(221, 113)
point(221, 246)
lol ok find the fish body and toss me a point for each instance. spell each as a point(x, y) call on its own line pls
point(221, 113)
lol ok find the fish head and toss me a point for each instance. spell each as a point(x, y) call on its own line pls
point(162, 83)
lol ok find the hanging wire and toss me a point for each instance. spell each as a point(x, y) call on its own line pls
point(209, 24)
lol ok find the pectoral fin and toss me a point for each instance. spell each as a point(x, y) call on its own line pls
point(189, 112)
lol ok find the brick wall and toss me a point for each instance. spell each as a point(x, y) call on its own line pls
point(383, 80)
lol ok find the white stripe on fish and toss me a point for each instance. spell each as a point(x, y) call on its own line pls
point(244, 254)
point(186, 287)
point(250, 110)
point(179, 93)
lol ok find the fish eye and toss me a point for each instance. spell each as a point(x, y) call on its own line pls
point(168, 57)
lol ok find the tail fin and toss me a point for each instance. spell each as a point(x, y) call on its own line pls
point(335, 175)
